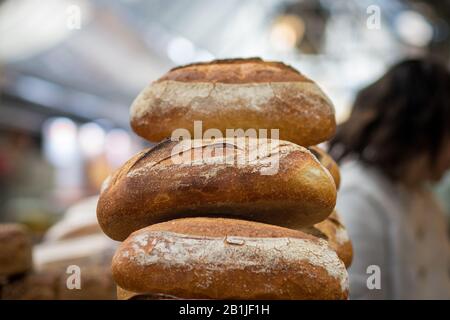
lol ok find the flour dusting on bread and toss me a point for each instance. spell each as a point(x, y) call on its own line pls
point(261, 255)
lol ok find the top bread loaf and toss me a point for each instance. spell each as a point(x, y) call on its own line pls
point(235, 94)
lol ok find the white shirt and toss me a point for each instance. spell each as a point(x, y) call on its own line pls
point(403, 232)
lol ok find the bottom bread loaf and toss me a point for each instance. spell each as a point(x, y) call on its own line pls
point(216, 258)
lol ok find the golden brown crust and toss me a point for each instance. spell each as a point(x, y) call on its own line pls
point(229, 266)
point(150, 188)
point(221, 227)
point(328, 162)
point(15, 249)
point(241, 94)
point(335, 233)
point(251, 70)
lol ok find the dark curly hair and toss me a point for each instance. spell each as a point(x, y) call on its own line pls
point(404, 113)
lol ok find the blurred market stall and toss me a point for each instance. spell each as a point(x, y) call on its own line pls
point(70, 69)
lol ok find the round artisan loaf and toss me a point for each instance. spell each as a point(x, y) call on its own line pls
point(333, 230)
point(216, 258)
point(15, 249)
point(328, 162)
point(270, 181)
point(235, 94)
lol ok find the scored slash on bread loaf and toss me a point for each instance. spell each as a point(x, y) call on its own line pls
point(150, 188)
point(235, 94)
point(217, 258)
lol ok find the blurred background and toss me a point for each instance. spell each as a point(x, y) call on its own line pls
point(69, 71)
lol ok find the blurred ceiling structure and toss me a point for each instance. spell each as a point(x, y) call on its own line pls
point(93, 70)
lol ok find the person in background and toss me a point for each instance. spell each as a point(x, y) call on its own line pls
point(394, 145)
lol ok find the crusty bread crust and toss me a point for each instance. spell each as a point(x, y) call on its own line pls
point(222, 227)
point(251, 70)
point(333, 230)
point(247, 94)
point(328, 162)
point(229, 265)
point(151, 188)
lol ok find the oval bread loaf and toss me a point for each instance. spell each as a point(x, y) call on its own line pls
point(328, 162)
point(235, 94)
point(270, 181)
point(214, 258)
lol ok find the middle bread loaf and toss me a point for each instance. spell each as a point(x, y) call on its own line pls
point(270, 181)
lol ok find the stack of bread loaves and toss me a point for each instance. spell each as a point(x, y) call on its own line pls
point(226, 217)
